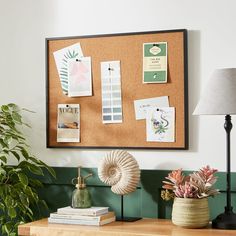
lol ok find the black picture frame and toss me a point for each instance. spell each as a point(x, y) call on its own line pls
point(185, 91)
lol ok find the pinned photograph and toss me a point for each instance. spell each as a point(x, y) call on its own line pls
point(160, 124)
point(68, 123)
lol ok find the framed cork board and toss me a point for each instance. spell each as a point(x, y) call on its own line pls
point(127, 48)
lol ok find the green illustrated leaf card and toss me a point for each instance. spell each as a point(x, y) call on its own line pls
point(62, 58)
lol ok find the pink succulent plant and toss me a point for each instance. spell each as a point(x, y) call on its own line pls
point(175, 178)
point(199, 184)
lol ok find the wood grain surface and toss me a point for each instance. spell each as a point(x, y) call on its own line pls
point(144, 227)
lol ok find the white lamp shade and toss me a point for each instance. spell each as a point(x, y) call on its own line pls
point(219, 96)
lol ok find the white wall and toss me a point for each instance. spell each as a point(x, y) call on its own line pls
point(212, 44)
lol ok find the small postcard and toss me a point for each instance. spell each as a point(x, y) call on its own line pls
point(141, 105)
point(79, 77)
point(62, 57)
point(160, 124)
point(111, 92)
point(155, 62)
point(68, 123)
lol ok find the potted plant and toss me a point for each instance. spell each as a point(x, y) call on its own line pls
point(18, 185)
point(190, 194)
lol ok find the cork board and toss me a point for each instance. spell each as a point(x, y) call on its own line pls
point(127, 48)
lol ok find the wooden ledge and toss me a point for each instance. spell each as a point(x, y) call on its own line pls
point(144, 227)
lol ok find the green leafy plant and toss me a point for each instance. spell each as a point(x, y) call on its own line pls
point(18, 185)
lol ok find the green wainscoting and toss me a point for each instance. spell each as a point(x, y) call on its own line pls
point(144, 202)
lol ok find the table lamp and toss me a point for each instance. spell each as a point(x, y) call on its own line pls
point(219, 98)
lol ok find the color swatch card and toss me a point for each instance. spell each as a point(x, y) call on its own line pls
point(79, 77)
point(62, 57)
point(155, 62)
point(111, 92)
point(68, 123)
point(160, 124)
point(141, 105)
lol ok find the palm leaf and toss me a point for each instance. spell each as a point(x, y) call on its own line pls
point(63, 73)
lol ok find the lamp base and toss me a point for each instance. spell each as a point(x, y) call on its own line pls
point(226, 220)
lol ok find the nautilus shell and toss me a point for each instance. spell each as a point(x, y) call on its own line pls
point(120, 170)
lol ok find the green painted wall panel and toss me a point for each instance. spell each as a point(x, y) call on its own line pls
point(144, 202)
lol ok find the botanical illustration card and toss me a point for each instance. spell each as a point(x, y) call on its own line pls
point(111, 92)
point(68, 123)
point(155, 62)
point(160, 124)
point(61, 58)
point(141, 105)
point(79, 77)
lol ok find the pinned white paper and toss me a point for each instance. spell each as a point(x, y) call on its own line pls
point(80, 78)
point(141, 105)
point(160, 124)
point(111, 92)
point(68, 123)
point(62, 57)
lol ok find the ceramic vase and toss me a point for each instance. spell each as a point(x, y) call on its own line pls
point(190, 212)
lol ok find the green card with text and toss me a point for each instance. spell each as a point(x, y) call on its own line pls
point(155, 62)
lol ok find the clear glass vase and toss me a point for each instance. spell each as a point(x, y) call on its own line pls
point(81, 198)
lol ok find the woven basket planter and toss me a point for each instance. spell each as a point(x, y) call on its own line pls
point(190, 212)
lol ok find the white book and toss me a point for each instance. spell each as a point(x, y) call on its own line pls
point(80, 222)
point(92, 211)
point(79, 217)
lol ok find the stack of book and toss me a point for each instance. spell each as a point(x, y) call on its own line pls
point(86, 216)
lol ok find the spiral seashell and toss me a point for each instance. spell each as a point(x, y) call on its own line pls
point(120, 170)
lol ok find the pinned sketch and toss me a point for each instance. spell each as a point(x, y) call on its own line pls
point(111, 92)
point(62, 57)
point(79, 77)
point(68, 123)
point(155, 62)
point(141, 105)
point(160, 124)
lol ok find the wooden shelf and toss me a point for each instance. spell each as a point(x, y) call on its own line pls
point(144, 227)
